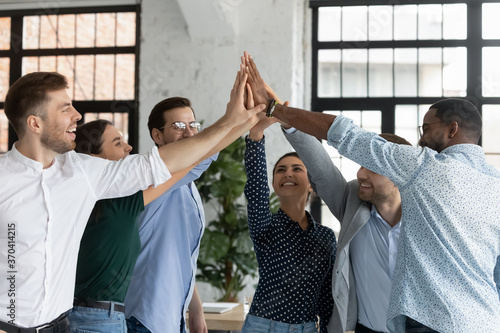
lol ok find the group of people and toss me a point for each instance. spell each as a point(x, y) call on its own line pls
point(98, 240)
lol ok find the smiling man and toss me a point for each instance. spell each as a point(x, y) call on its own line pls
point(369, 211)
point(48, 192)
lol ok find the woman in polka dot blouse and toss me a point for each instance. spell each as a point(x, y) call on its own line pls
point(295, 254)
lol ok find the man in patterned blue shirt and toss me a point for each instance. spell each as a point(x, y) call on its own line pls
point(446, 276)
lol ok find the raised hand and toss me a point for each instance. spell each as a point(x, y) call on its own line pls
point(236, 112)
point(257, 131)
point(255, 80)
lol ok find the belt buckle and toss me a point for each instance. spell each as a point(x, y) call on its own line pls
point(38, 329)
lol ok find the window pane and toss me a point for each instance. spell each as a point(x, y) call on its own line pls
point(30, 65)
point(405, 22)
point(48, 27)
point(48, 64)
point(380, 74)
point(125, 76)
point(491, 135)
point(106, 28)
point(407, 122)
point(329, 23)
point(125, 33)
point(85, 30)
point(66, 66)
point(31, 32)
point(380, 23)
point(405, 72)
point(4, 77)
point(4, 132)
point(429, 72)
point(455, 72)
point(455, 21)
point(491, 23)
point(84, 78)
point(104, 77)
point(354, 72)
point(354, 21)
point(329, 73)
point(491, 71)
point(66, 31)
point(4, 33)
point(430, 19)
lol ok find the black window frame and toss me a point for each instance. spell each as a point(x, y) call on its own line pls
point(387, 105)
point(16, 54)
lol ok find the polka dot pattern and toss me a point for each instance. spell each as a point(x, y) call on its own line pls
point(446, 275)
point(295, 265)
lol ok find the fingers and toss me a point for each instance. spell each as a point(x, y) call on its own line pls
point(250, 102)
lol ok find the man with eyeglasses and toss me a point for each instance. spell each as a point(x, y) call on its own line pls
point(170, 228)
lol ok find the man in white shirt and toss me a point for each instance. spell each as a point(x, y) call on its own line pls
point(48, 192)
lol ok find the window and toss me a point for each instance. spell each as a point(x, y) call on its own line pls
point(95, 48)
point(399, 59)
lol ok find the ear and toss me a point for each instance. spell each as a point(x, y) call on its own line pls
point(34, 124)
point(157, 136)
point(453, 130)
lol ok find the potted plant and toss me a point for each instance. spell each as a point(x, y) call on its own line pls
point(226, 251)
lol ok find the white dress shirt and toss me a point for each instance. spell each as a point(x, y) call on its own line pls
point(43, 213)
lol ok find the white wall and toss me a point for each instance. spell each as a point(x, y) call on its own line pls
point(192, 48)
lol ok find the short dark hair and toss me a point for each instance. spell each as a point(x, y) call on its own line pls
point(28, 96)
point(89, 136)
point(463, 112)
point(156, 119)
point(394, 138)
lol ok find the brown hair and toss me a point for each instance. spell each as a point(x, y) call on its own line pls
point(89, 136)
point(28, 96)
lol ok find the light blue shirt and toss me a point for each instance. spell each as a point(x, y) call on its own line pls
point(446, 271)
point(170, 229)
point(373, 257)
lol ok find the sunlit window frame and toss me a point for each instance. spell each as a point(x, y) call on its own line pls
point(387, 105)
point(16, 54)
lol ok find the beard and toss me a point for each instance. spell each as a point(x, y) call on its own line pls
point(51, 141)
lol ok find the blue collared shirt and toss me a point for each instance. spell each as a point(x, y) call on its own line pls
point(170, 229)
point(373, 257)
point(446, 269)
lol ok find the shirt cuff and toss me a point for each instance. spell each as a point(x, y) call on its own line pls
point(339, 129)
point(159, 170)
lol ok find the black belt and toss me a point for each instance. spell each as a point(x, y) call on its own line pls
point(61, 324)
point(99, 305)
point(363, 329)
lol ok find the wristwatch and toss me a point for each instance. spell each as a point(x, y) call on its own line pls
point(270, 108)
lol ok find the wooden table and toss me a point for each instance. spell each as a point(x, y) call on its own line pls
point(227, 321)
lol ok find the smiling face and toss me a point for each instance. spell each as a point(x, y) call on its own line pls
point(434, 132)
point(171, 133)
point(375, 188)
point(290, 179)
point(60, 123)
point(113, 146)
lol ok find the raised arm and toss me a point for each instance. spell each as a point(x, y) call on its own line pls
point(313, 123)
point(185, 153)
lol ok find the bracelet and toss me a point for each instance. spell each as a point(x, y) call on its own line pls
point(271, 107)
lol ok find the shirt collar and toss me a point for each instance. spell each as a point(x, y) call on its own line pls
point(468, 148)
point(376, 216)
point(311, 225)
point(25, 160)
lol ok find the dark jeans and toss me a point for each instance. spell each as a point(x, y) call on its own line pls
point(413, 326)
point(135, 326)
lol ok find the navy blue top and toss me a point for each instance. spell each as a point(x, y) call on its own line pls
point(295, 265)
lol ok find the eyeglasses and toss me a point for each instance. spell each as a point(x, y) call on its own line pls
point(425, 127)
point(181, 126)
